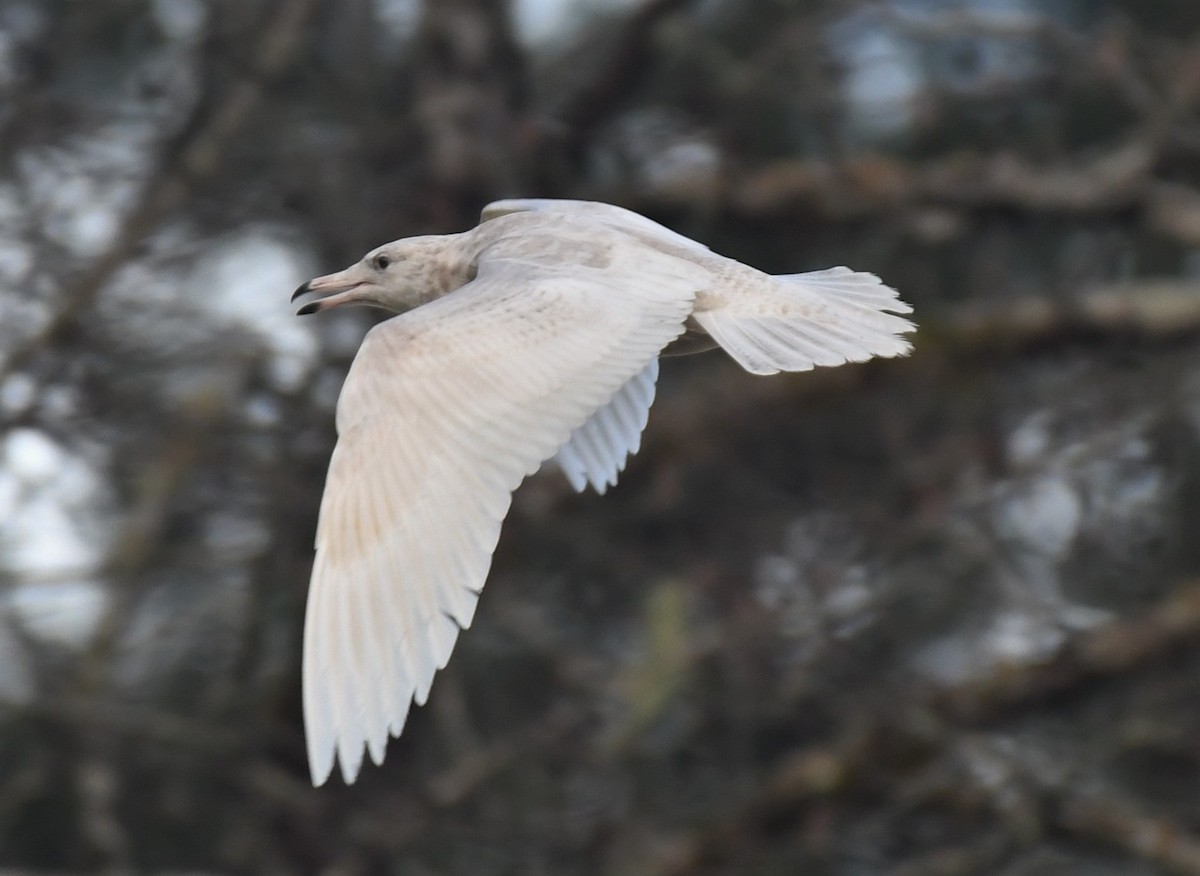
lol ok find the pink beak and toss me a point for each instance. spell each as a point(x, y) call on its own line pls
point(336, 290)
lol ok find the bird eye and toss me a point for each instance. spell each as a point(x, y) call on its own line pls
point(381, 262)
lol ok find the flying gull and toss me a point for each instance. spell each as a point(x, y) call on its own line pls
point(535, 335)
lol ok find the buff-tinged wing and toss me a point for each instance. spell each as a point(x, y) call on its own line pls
point(445, 410)
point(597, 451)
point(797, 321)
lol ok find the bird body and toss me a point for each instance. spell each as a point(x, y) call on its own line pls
point(534, 336)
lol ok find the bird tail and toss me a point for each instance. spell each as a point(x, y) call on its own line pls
point(799, 321)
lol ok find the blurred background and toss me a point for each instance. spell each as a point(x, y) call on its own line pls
point(938, 615)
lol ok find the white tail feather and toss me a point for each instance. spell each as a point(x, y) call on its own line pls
point(803, 320)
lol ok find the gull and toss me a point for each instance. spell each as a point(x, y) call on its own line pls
point(534, 336)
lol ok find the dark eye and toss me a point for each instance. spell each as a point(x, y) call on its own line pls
point(381, 262)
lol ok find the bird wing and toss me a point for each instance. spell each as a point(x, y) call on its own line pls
point(445, 410)
point(797, 321)
point(617, 218)
point(596, 452)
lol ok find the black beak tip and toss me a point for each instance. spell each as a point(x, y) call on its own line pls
point(300, 290)
point(311, 307)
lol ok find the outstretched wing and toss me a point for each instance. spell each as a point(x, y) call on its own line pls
point(445, 410)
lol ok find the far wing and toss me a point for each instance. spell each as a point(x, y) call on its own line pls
point(445, 410)
point(617, 218)
point(596, 452)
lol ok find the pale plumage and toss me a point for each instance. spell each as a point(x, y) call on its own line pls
point(533, 336)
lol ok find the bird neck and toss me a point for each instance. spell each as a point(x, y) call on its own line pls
point(447, 266)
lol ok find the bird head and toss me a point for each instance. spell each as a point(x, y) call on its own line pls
point(394, 276)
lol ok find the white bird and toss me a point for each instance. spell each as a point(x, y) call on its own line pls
point(535, 335)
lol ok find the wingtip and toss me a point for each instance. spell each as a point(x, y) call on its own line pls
point(320, 766)
point(378, 748)
point(350, 761)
